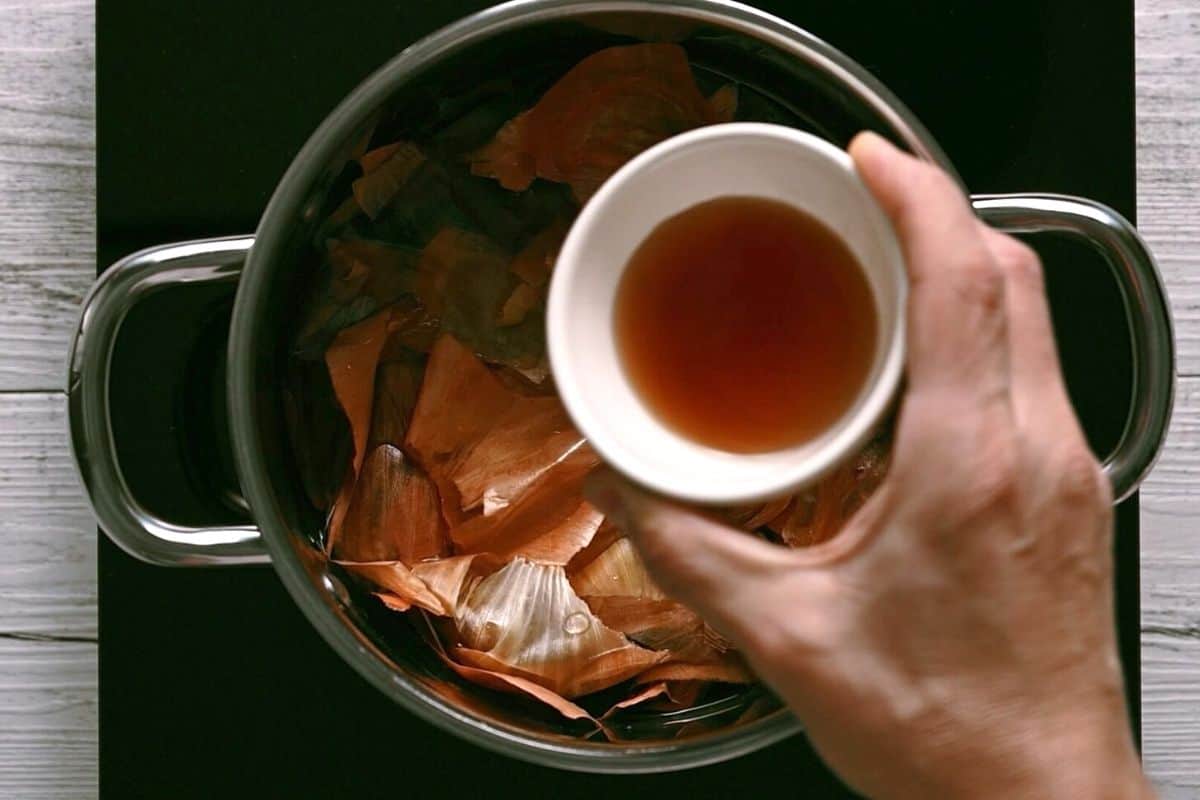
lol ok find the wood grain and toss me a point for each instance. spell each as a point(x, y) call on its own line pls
point(48, 654)
point(47, 184)
point(1168, 130)
point(48, 719)
point(47, 533)
point(48, 650)
point(1171, 604)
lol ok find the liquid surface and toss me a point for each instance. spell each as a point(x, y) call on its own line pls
point(745, 324)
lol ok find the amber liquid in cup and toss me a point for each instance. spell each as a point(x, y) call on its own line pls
point(745, 324)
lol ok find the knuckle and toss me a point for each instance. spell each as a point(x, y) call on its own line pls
point(979, 284)
point(1076, 479)
point(1020, 262)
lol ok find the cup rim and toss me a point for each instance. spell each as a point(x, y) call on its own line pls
point(848, 434)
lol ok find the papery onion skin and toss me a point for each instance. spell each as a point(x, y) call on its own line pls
point(609, 107)
point(436, 586)
point(506, 683)
point(392, 513)
point(459, 401)
point(618, 571)
point(819, 514)
point(526, 620)
point(532, 437)
point(351, 360)
point(549, 522)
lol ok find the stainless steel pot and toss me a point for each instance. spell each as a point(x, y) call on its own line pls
point(825, 92)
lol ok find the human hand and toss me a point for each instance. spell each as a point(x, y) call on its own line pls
point(957, 638)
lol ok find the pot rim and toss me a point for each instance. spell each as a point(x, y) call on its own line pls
point(270, 239)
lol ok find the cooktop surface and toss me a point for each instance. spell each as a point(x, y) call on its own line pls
point(211, 681)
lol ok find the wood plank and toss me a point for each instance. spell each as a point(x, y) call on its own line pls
point(48, 689)
point(1168, 128)
point(47, 184)
point(47, 532)
point(1171, 648)
point(48, 719)
point(48, 653)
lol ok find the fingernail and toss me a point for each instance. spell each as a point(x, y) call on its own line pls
point(868, 142)
point(869, 139)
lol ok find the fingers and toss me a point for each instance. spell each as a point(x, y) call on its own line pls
point(725, 575)
point(956, 319)
point(1039, 396)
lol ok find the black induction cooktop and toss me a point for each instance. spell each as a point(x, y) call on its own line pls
point(212, 684)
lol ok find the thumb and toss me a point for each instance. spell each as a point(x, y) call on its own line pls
point(730, 578)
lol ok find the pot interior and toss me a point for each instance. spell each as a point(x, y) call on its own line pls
point(447, 91)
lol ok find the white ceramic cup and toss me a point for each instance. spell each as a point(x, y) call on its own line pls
point(736, 159)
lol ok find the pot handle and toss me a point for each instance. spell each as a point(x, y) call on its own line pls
point(121, 287)
point(1146, 312)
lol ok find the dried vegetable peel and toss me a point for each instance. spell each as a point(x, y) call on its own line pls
point(549, 522)
point(436, 586)
point(459, 401)
point(527, 620)
point(818, 515)
point(662, 625)
point(727, 670)
point(643, 695)
point(609, 107)
point(617, 571)
point(511, 684)
point(392, 513)
point(531, 438)
point(361, 277)
point(379, 186)
point(619, 591)
point(352, 359)
point(453, 488)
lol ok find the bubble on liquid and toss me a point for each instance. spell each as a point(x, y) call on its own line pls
point(576, 623)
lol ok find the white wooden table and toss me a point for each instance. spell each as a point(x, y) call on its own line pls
point(48, 632)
